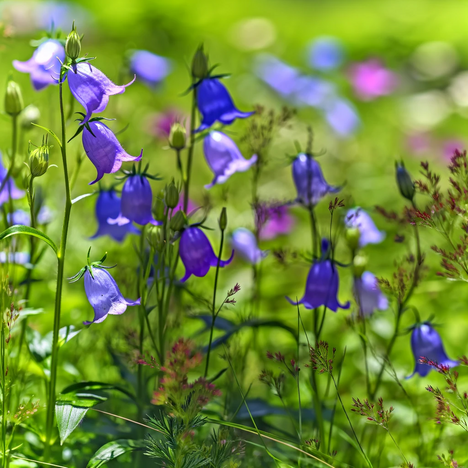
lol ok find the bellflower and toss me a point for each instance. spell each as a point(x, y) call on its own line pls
point(44, 66)
point(104, 150)
point(322, 284)
point(9, 189)
point(215, 104)
point(368, 295)
point(108, 206)
point(148, 67)
point(341, 116)
point(104, 295)
point(224, 158)
point(426, 342)
point(310, 184)
point(368, 232)
point(244, 243)
point(136, 202)
point(91, 88)
point(196, 253)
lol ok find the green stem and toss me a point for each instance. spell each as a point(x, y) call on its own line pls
point(14, 146)
point(191, 148)
point(4, 396)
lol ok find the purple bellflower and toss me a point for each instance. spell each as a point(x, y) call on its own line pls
point(9, 189)
point(91, 88)
point(224, 158)
point(322, 284)
point(310, 184)
point(136, 202)
point(368, 295)
point(108, 206)
point(426, 343)
point(104, 150)
point(148, 67)
point(197, 255)
point(244, 243)
point(44, 66)
point(215, 104)
point(368, 232)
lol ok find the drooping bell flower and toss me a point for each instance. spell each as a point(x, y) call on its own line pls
point(91, 88)
point(149, 68)
point(136, 202)
point(108, 206)
point(104, 150)
point(216, 105)
point(322, 284)
point(224, 158)
point(9, 187)
point(276, 221)
point(104, 295)
point(310, 184)
point(368, 295)
point(196, 253)
point(368, 232)
point(244, 243)
point(427, 343)
point(44, 66)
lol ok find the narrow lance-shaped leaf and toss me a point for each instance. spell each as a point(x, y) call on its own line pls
point(29, 231)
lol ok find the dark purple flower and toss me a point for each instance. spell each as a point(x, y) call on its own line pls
point(104, 150)
point(368, 232)
point(215, 104)
point(310, 184)
point(325, 53)
point(44, 66)
point(224, 158)
point(426, 342)
point(136, 202)
point(244, 243)
point(196, 253)
point(91, 88)
point(148, 67)
point(108, 206)
point(104, 295)
point(322, 285)
point(9, 189)
point(368, 295)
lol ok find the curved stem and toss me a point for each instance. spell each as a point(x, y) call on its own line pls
point(191, 148)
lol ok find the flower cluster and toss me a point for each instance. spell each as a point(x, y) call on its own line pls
point(375, 413)
point(320, 357)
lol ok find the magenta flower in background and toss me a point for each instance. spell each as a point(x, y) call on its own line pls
point(369, 234)
point(368, 295)
point(244, 243)
point(9, 189)
point(104, 295)
point(419, 142)
point(450, 146)
point(370, 79)
point(180, 206)
point(91, 88)
point(149, 68)
point(44, 65)
point(197, 255)
point(224, 158)
point(104, 150)
point(273, 221)
point(159, 125)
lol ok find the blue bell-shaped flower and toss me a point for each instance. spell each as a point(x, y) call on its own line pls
point(149, 68)
point(244, 243)
point(368, 232)
point(368, 295)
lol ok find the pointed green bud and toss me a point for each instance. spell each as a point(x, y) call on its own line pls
point(153, 236)
point(352, 236)
point(31, 114)
point(39, 159)
point(13, 99)
point(159, 208)
point(223, 219)
point(178, 221)
point(177, 136)
point(405, 184)
point(200, 64)
point(172, 196)
point(359, 264)
point(73, 44)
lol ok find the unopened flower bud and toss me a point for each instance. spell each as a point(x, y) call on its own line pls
point(13, 99)
point(359, 264)
point(39, 159)
point(223, 219)
point(200, 64)
point(177, 136)
point(405, 184)
point(172, 196)
point(178, 221)
point(153, 235)
point(352, 236)
point(159, 207)
point(31, 114)
point(73, 44)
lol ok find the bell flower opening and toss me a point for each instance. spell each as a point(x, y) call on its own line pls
point(368, 232)
point(369, 297)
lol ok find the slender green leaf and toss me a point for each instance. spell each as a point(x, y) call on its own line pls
point(114, 449)
point(29, 231)
point(57, 139)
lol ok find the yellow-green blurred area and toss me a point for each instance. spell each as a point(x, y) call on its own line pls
point(421, 114)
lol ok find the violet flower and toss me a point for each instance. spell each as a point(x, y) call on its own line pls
point(91, 88)
point(310, 184)
point(104, 150)
point(426, 342)
point(368, 295)
point(108, 206)
point(197, 255)
point(244, 243)
point(224, 158)
point(148, 67)
point(18, 258)
point(368, 232)
point(215, 104)
point(136, 202)
point(180, 206)
point(9, 189)
point(325, 53)
point(104, 295)
point(278, 221)
point(322, 284)
point(44, 65)
point(341, 116)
